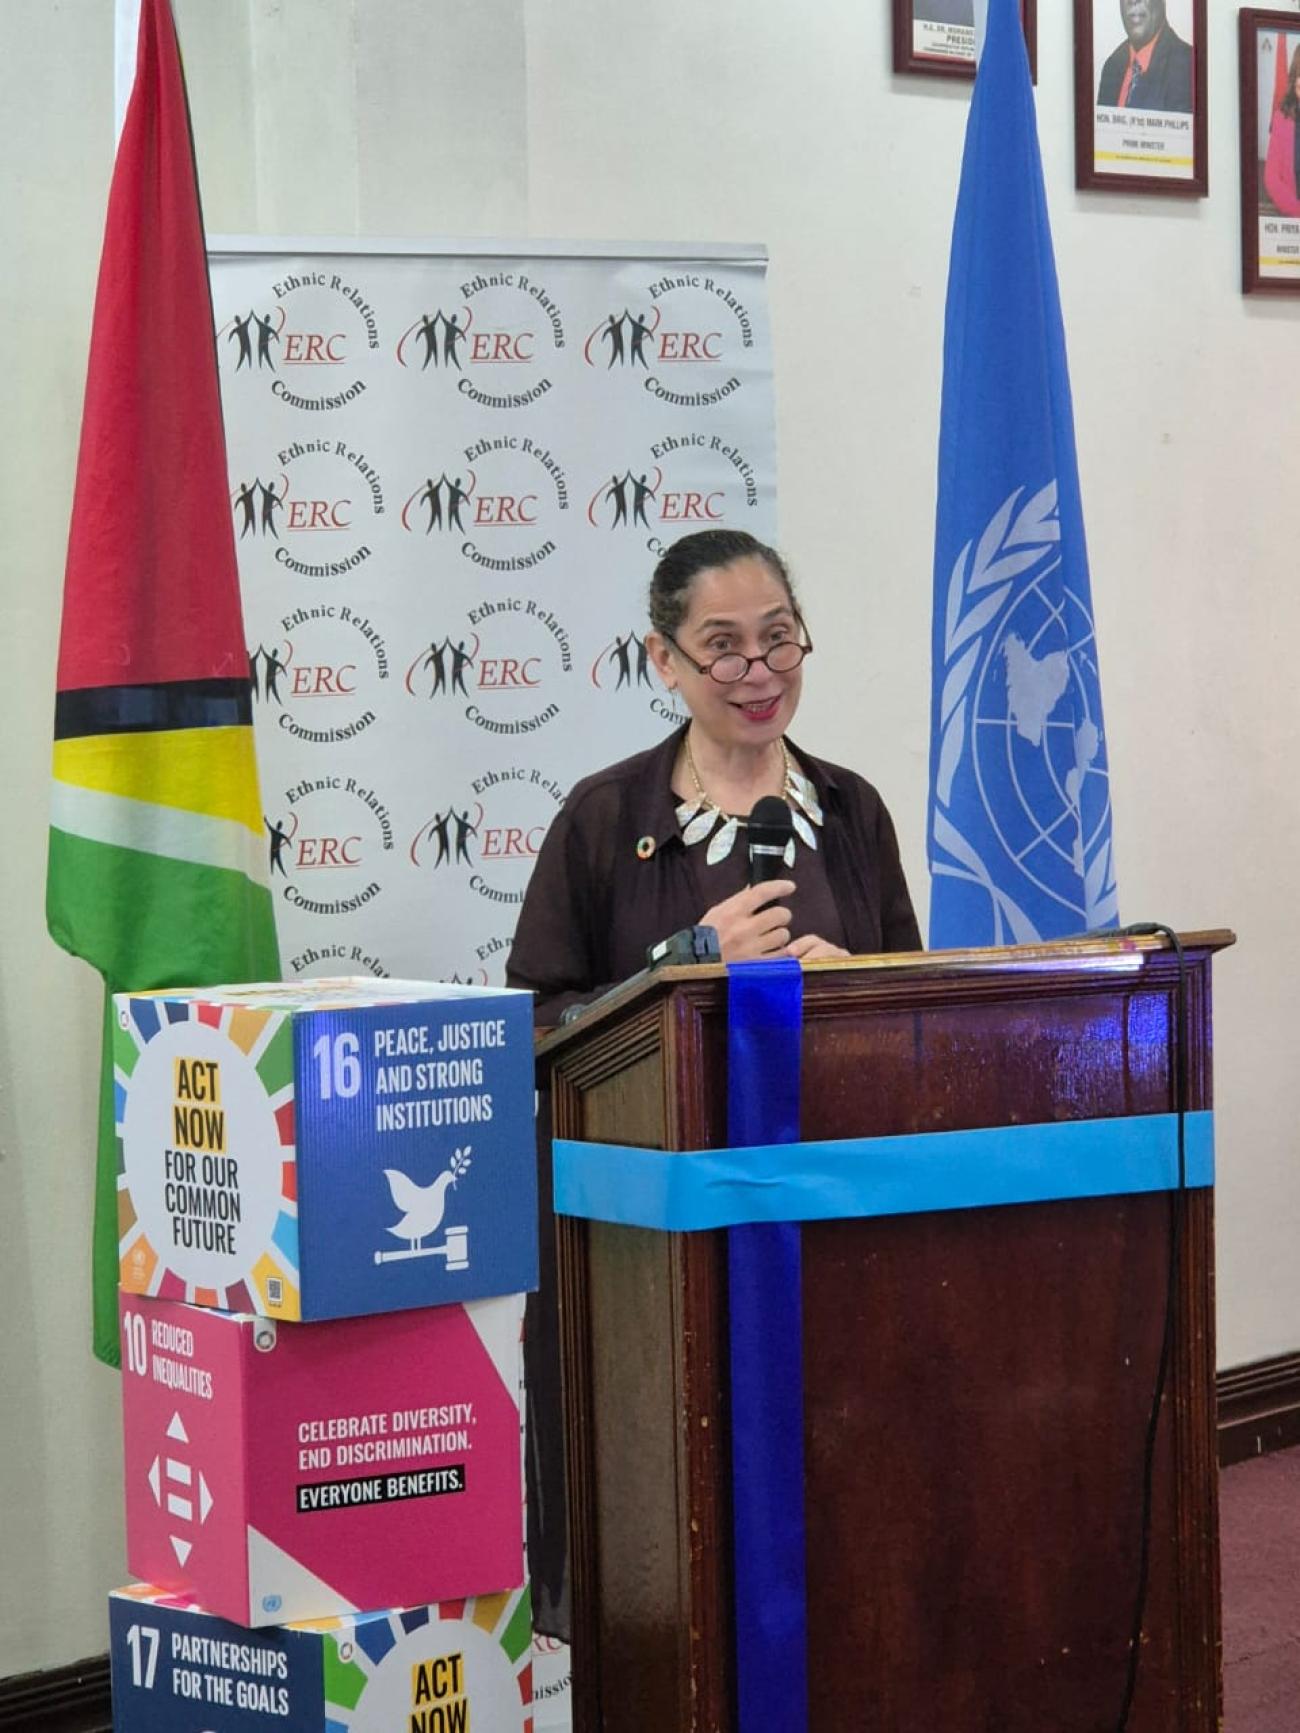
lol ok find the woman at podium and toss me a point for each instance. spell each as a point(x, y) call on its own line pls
point(657, 842)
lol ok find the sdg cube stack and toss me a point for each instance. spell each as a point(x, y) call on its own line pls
point(327, 1220)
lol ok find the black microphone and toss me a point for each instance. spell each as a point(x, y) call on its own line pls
point(770, 828)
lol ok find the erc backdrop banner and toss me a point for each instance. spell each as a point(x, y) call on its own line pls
point(451, 474)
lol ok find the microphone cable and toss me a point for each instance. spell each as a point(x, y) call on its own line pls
point(1177, 1209)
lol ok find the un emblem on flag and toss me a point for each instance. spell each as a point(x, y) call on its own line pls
point(1022, 796)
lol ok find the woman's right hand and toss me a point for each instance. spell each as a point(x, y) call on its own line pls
point(754, 922)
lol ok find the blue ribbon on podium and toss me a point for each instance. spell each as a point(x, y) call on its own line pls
point(843, 1178)
point(764, 1024)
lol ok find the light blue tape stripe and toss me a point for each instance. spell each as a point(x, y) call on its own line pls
point(878, 1176)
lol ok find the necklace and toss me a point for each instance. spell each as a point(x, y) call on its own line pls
point(699, 815)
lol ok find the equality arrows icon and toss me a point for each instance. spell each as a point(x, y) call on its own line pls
point(179, 1474)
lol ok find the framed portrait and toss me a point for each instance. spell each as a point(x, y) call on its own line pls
point(1269, 67)
point(938, 37)
point(1139, 96)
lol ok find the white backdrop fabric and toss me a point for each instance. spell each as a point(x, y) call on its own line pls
point(451, 473)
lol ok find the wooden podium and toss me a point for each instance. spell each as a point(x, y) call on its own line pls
point(977, 1381)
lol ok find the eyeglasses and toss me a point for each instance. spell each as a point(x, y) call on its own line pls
point(782, 658)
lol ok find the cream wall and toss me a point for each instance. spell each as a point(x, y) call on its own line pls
point(710, 120)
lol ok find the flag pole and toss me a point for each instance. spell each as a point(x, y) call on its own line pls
point(126, 37)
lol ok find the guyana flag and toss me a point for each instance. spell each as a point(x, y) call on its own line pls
point(157, 865)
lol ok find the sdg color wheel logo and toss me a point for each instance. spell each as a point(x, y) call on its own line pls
point(449, 1669)
point(206, 1170)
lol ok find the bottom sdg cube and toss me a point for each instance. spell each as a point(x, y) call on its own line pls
point(462, 1667)
point(298, 1471)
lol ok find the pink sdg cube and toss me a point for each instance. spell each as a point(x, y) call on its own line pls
point(297, 1471)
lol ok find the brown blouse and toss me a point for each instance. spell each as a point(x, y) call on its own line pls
point(812, 907)
point(596, 899)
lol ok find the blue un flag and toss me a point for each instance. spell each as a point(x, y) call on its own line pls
point(1019, 832)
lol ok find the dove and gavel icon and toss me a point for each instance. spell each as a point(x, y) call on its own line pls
point(423, 1208)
